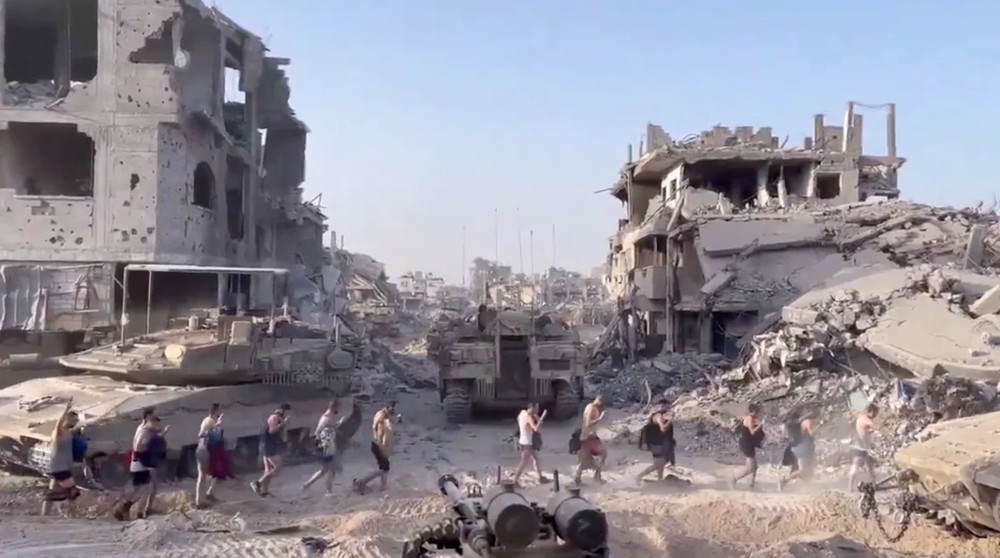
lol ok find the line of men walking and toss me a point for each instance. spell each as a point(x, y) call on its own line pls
point(148, 450)
point(657, 436)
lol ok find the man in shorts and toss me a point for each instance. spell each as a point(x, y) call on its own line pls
point(326, 438)
point(529, 441)
point(864, 427)
point(142, 466)
point(208, 434)
point(592, 454)
point(272, 446)
point(381, 448)
point(62, 487)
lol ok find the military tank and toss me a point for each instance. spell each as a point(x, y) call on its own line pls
point(246, 365)
point(955, 474)
point(503, 359)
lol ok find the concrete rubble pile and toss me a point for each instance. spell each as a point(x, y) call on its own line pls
point(669, 375)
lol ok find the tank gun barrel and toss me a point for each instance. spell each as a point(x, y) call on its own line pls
point(577, 521)
point(502, 522)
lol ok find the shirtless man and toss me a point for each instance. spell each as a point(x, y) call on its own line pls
point(592, 452)
point(326, 436)
point(864, 426)
point(272, 442)
point(61, 484)
point(528, 425)
point(208, 435)
point(142, 466)
point(803, 448)
point(381, 448)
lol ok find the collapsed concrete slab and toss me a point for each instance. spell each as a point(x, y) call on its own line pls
point(916, 319)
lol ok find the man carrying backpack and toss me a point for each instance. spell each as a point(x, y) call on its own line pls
point(658, 436)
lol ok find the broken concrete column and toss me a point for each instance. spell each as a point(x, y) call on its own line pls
point(989, 303)
point(811, 181)
point(782, 190)
point(763, 197)
point(974, 248)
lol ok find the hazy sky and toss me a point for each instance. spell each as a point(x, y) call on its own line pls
point(428, 114)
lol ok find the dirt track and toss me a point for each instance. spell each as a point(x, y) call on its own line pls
point(648, 521)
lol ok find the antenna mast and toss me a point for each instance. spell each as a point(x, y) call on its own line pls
point(496, 237)
point(531, 259)
point(520, 249)
point(553, 244)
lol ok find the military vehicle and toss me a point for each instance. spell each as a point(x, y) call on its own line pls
point(501, 360)
point(955, 474)
point(247, 365)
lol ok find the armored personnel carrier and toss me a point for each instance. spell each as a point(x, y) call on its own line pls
point(247, 365)
point(504, 359)
point(957, 471)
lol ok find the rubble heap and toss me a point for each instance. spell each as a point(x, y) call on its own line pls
point(669, 375)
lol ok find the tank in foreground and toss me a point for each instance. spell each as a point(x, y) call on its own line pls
point(957, 471)
point(232, 361)
point(503, 360)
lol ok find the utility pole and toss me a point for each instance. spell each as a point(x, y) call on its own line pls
point(553, 244)
point(531, 258)
point(520, 250)
point(496, 237)
point(463, 256)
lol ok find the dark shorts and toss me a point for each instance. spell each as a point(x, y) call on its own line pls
point(60, 476)
point(864, 457)
point(272, 449)
point(141, 478)
point(664, 451)
point(382, 460)
point(523, 447)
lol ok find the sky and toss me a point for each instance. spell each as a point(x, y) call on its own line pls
point(430, 116)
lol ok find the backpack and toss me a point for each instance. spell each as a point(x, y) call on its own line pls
point(650, 434)
point(574, 442)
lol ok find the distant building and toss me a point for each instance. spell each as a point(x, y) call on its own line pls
point(724, 171)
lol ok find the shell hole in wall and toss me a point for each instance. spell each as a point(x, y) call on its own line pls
point(203, 186)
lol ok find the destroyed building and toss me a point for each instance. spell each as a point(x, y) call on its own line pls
point(122, 141)
point(698, 208)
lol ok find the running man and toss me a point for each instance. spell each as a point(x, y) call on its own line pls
point(209, 436)
point(658, 437)
point(529, 441)
point(803, 448)
point(864, 427)
point(751, 437)
point(272, 445)
point(146, 446)
point(381, 448)
point(592, 454)
point(60, 471)
point(326, 436)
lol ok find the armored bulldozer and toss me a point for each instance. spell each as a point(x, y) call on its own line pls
point(246, 365)
point(504, 359)
point(955, 474)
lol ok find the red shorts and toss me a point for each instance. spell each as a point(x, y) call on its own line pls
point(592, 446)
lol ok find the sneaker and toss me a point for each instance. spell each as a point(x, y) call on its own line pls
point(544, 480)
point(255, 486)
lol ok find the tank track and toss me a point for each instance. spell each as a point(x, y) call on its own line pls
point(457, 402)
point(566, 403)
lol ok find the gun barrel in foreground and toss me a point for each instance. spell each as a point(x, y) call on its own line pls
point(503, 523)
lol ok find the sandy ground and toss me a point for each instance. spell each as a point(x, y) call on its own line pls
point(648, 521)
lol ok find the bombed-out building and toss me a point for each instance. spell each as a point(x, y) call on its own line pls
point(142, 131)
point(676, 272)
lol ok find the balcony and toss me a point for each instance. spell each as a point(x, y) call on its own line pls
point(651, 282)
